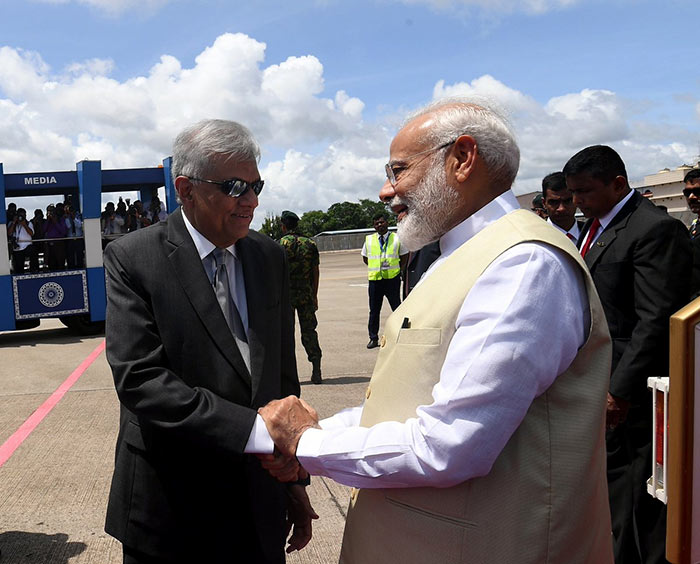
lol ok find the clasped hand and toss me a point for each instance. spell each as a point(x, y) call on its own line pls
point(616, 411)
point(286, 420)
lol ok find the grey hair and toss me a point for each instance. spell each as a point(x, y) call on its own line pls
point(481, 120)
point(195, 146)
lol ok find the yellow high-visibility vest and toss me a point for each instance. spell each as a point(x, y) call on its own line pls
point(382, 262)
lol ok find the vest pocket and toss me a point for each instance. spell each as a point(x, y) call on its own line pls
point(426, 336)
point(428, 537)
point(430, 515)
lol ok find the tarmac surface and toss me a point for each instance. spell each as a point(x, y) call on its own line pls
point(54, 486)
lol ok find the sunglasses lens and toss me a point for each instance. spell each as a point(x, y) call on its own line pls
point(236, 188)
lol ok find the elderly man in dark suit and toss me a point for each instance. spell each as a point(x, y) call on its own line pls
point(640, 260)
point(199, 335)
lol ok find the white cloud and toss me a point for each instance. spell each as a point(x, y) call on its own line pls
point(304, 181)
point(91, 66)
point(55, 118)
point(548, 134)
point(318, 148)
point(132, 122)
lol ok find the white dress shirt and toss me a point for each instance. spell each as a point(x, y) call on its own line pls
point(77, 222)
point(607, 218)
point(259, 439)
point(233, 267)
point(519, 327)
point(572, 234)
point(22, 236)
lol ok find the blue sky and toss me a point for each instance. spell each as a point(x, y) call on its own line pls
point(324, 84)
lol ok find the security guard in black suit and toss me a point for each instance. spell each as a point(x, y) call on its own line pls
point(641, 260)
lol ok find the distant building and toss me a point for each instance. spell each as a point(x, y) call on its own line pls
point(665, 188)
point(525, 200)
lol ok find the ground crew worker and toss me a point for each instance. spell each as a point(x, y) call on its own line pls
point(302, 256)
point(385, 262)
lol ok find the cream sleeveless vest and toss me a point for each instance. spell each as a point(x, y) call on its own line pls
point(545, 499)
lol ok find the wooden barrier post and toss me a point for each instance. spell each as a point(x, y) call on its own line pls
point(683, 491)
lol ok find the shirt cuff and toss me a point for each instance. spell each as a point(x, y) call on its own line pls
point(259, 441)
point(308, 448)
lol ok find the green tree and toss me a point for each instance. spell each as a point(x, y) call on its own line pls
point(370, 208)
point(345, 215)
point(312, 223)
point(272, 226)
point(341, 215)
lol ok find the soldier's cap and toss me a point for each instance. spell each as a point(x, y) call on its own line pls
point(286, 214)
point(537, 201)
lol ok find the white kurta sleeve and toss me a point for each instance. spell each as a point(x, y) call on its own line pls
point(519, 327)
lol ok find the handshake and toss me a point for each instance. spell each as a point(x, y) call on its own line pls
point(286, 420)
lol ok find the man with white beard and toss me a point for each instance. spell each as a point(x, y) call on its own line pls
point(482, 436)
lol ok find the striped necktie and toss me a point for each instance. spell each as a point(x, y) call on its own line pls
point(228, 303)
point(591, 234)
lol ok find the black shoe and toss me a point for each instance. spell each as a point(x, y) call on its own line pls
point(373, 344)
point(316, 372)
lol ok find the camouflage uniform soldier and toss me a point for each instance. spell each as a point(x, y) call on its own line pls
point(302, 256)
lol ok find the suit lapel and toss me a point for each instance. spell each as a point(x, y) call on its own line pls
point(608, 236)
point(190, 272)
point(257, 296)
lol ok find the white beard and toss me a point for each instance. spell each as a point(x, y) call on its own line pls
point(430, 207)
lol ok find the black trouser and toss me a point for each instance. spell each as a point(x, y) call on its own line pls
point(247, 555)
point(34, 251)
point(638, 520)
point(132, 556)
point(389, 287)
point(18, 258)
point(57, 255)
point(74, 253)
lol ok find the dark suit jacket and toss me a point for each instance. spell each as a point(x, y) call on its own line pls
point(418, 262)
point(696, 267)
point(182, 487)
point(641, 265)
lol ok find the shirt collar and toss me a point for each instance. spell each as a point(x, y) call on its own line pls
point(203, 245)
point(608, 217)
point(461, 233)
point(574, 228)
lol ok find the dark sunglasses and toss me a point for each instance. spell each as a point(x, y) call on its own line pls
point(694, 191)
point(235, 187)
